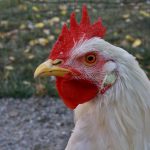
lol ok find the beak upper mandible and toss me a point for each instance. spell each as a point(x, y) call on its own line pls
point(49, 69)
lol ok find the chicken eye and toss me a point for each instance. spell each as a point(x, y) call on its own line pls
point(90, 59)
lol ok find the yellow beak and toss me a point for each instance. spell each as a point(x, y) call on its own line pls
point(49, 68)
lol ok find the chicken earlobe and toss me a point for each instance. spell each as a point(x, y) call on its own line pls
point(108, 81)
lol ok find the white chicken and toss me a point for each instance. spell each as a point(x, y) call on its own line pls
point(105, 86)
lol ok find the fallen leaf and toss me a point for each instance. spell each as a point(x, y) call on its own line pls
point(43, 41)
point(22, 26)
point(51, 38)
point(46, 31)
point(1, 45)
point(9, 67)
point(63, 7)
point(136, 43)
point(27, 50)
point(4, 22)
point(30, 56)
point(36, 9)
point(129, 38)
point(68, 21)
point(144, 13)
point(10, 33)
point(33, 42)
point(77, 10)
point(128, 20)
point(139, 56)
point(38, 16)
point(27, 83)
point(125, 16)
point(53, 20)
point(115, 33)
point(63, 12)
point(39, 25)
point(6, 74)
point(23, 7)
point(12, 58)
point(2, 34)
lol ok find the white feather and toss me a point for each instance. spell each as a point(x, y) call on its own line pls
point(119, 119)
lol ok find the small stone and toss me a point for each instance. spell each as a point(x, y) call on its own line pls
point(58, 124)
point(64, 133)
point(13, 113)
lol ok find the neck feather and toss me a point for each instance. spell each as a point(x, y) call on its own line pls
point(120, 117)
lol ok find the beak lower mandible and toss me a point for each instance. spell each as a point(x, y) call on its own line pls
point(49, 69)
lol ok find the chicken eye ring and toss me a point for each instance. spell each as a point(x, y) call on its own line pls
point(90, 59)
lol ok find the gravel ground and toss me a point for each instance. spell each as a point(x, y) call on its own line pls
point(34, 124)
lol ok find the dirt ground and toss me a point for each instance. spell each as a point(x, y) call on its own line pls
point(34, 124)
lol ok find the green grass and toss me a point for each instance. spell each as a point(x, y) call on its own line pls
point(22, 49)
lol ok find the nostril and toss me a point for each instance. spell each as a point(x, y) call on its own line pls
point(57, 62)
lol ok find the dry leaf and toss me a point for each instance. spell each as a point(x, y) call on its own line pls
point(28, 49)
point(9, 67)
point(128, 20)
point(51, 38)
point(2, 34)
point(38, 16)
point(129, 38)
point(46, 31)
point(68, 21)
point(115, 33)
point(33, 42)
point(27, 83)
point(63, 12)
point(6, 74)
point(77, 10)
point(12, 58)
point(39, 25)
point(43, 41)
point(36, 9)
point(10, 33)
point(30, 56)
point(53, 20)
point(23, 7)
point(136, 43)
point(22, 26)
point(144, 13)
point(63, 7)
point(1, 45)
point(139, 56)
point(4, 23)
point(126, 16)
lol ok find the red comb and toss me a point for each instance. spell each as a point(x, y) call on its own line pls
point(84, 30)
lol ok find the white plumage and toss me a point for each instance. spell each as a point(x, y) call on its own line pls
point(120, 118)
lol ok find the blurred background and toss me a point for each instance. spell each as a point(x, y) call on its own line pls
point(29, 28)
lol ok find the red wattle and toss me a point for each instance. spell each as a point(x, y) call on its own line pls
point(74, 92)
